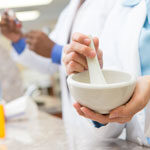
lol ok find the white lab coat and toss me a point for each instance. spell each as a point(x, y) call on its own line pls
point(120, 42)
point(90, 19)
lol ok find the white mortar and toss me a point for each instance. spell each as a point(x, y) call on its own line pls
point(102, 98)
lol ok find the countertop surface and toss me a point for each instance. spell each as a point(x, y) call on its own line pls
point(44, 133)
point(47, 133)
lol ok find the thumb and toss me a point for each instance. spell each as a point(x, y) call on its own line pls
point(119, 112)
point(131, 108)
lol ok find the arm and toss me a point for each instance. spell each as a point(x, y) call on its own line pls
point(34, 61)
point(147, 122)
point(23, 55)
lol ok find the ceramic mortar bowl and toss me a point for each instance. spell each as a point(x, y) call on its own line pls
point(102, 98)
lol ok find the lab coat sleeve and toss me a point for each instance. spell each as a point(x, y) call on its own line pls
point(62, 63)
point(147, 121)
point(34, 61)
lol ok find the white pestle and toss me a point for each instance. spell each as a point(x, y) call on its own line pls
point(95, 72)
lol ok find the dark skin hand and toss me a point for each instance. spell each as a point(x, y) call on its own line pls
point(9, 28)
point(37, 41)
point(40, 43)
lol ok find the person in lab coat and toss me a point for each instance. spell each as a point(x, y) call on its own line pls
point(87, 17)
point(125, 43)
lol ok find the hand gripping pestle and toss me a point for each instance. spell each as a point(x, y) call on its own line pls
point(95, 72)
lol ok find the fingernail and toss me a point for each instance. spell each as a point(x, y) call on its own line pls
point(86, 67)
point(87, 41)
point(82, 109)
point(92, 54)
point(111, 116)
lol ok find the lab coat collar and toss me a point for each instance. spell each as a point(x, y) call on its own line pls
point(132, 3)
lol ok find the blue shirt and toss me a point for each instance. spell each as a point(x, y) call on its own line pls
point(55, 54)
point(19, 46)
point(144, 40)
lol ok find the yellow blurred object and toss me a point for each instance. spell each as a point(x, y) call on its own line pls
point(21, 67)
point(2, 122)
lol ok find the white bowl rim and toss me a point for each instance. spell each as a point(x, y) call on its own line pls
point(107, 86)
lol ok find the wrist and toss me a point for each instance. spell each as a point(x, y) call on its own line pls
point(47, 52)
point(147, 79)
point(17, 37)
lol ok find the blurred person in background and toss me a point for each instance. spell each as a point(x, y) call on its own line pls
point(35, 50)
point(10, 80)
point(11, 29)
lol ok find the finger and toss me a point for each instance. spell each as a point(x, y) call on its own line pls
point(30, 36)
point(77, 106)
point(121, 120)
point(29, 41)
point(127, 110)
point(5, 17)
point(12, 24)
point(81, 49)
point(77, 58)
point(81, 38)
point(104, 119)
point(74, 67)
point(30, 44)
point(3, 22)
point(33, 33)
point(96, 43)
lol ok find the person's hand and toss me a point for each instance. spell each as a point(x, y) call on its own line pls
point(123, 113)
point(40, 43)
point(9, 28)
point(76, 52)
